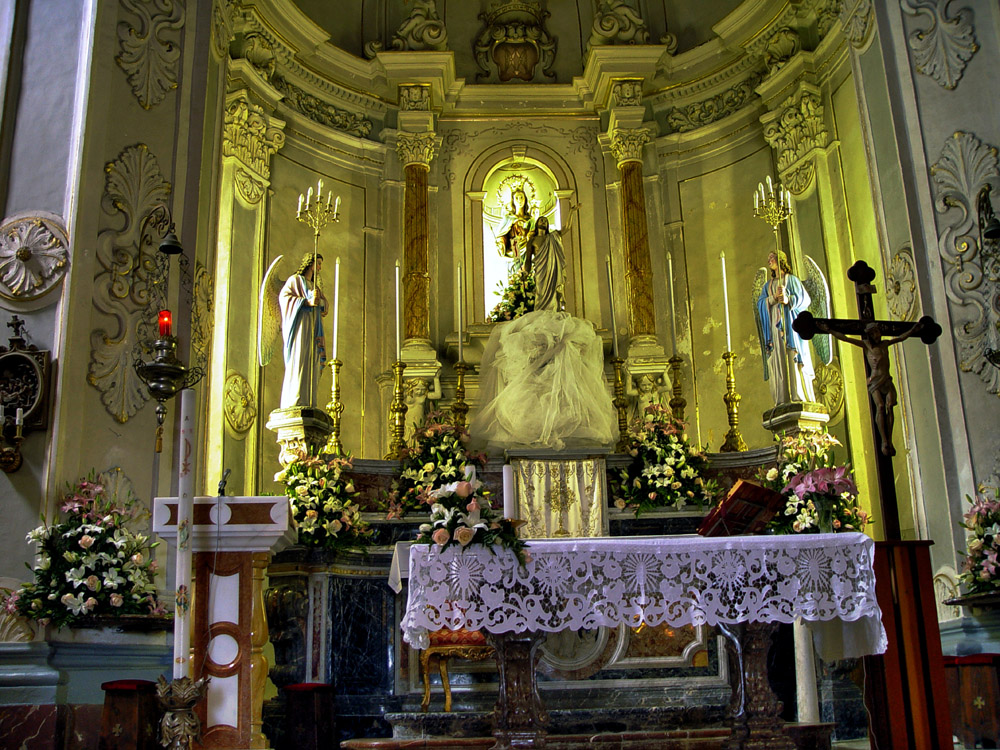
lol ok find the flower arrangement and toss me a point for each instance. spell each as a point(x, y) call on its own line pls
point(90, 563)
point(437, 454)
point(516, 299)
point(666, 469)
point(821, 496)
point(981, 569)
point(323, 502)
point(461, 514)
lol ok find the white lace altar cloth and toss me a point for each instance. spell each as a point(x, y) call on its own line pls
point(571, 584)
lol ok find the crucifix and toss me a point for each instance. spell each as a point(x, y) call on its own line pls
point(874, 337)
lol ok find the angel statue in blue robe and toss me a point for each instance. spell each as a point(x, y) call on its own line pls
point(779, 296)
point(296, 307)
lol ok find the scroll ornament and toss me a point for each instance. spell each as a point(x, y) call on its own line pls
point(149, 49)
point(942, 50)
point(423, 29)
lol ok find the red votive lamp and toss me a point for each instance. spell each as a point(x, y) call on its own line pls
point(166, 323)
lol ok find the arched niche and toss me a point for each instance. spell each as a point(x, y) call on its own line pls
point(487, 186)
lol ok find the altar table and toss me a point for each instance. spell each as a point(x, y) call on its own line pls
point(745, 583)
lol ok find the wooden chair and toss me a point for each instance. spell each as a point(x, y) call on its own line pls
point(448, 644)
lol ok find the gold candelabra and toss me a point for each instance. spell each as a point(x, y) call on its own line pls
point(10, 447)
point(459, 409)
point(773, 207)
point(335, 409)
point(316, 214)
point(677, 401)
point(397, 413)
point(734, 441)
point(620, 403)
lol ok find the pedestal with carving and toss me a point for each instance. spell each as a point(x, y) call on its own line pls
point(301, 429)
point(521, 720)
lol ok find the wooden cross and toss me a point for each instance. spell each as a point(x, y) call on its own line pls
point(874, 337)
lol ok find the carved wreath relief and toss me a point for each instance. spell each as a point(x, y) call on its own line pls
point(33, 256)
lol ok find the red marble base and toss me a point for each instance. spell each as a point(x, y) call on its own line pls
point(50, 727)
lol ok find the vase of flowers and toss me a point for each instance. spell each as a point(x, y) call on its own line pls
point(821, 495)
point(437, 455)
point(517, 298)
point(91, 566)
point(461, 513)
point(324, 502)
point(981, 569)
point(666, 471)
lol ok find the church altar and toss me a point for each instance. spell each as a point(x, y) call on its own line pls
point(572, 584)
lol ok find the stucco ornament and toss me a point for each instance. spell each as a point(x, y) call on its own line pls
point(514, 39)
point(828, 386)
point(415, 98)
point(416, 148)
point(858, 20)
point(250, 136)
point(616, 22)
point(794, 130)
point(781, 47)
point(202, 318)
point(34, 255)
point(239, 404)
point(627, 144)
point(321, 111)
point(627, 93)
point(972, 277)
point(697, 114)
point(942, 50)
point(129, 282)
point(423, 29)
point(901, 285)
point(222, 27)
point(250, 190)
point(149, 48)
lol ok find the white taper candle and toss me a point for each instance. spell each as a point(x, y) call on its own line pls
point(336, 305)
point(673, 303)
point(611, 302)
point(725, 300)
point(509, 505)
point(182, 570)
point(399, 348)
point(461, 317)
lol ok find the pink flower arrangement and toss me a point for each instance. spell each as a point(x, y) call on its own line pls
point(981, 568)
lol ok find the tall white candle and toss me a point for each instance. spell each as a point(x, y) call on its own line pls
point(461, 321)
point(611, 302)
point(19, 416)
point(309, 198)
point(336, 304)
point(336, 206)
point(298, 212)
point(185, 484)
point(399, 349)
point(673, 304)
point(509, 505)
point(725, 300)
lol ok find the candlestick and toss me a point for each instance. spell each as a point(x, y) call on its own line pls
point(673, 304)
point(397, 413)
point(461, 305)
point(611, 302)
point(459, 409)
point(620, 403)
point(182, 570)
point(725, 299)
point(336, 305)
point(734, 440)
point(336, 410)
point(509, 504)
point(399, 350)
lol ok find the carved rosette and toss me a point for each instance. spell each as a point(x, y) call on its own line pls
point(415, 98)
point(616, 22)
point(627, 93)
point(901, 285)
point(858, 20)
point(828, 385)
point(795, 130)
point(627, 144)
point(416, 148)
point(250, 137)
point(149, 49)
point(239, 404)
point(972, 277)
point(34, 253)
point(941, 50)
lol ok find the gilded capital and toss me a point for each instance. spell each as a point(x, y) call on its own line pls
point(795, 130)
point(416, 148)
point(250, 136)
point(627, 143)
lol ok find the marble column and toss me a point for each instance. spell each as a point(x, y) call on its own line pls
point(415, 151)
point(627, 145)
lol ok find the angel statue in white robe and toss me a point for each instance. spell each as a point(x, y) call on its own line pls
point(297, 307)
point(778, 297)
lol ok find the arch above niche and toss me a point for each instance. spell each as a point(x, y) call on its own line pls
point(495, 164)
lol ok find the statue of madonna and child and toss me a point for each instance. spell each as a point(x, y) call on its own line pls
point(542, 380)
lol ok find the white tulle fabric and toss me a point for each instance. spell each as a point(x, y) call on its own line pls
point(542, 386)
point(826, 579)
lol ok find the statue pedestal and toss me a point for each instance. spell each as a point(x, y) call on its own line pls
point(232, 539)
point(301, 429)
point(798, 416)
